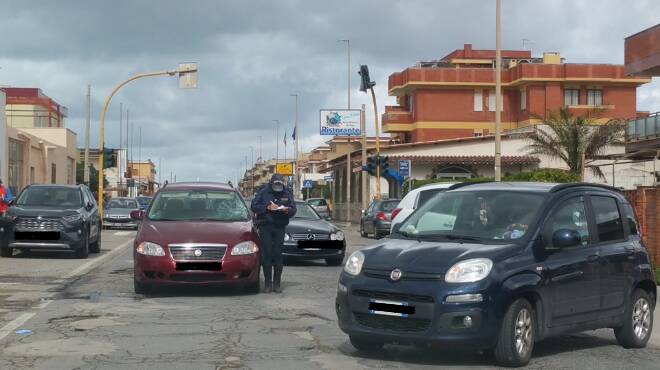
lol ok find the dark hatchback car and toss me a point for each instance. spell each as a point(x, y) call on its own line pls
point(196, 233)
point(52, 218)
point(310, 237)
point(377, 219)
point(501, 266)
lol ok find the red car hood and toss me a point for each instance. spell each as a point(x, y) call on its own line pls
point(171, 232)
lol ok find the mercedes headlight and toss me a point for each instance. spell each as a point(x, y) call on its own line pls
point(287, 237)
point(354, 263)
point(244, 248)
point(150, 249)
point(72, 218)
point(339, 235)
point(469, 271)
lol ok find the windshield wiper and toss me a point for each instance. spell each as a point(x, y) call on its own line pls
point(460, 237)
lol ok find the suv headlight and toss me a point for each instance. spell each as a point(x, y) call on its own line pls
point(150, 249)
point(354, 263)
point(243, 248)
point(338, 235)
point(287, 237)
point(469, 271)
point(72, 218)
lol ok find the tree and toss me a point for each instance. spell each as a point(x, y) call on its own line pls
point(93, 176)
point(571, 138)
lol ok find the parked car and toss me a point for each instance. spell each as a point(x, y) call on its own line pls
point(52, 218)
point(310, 237)
point(415, 199)
point(502, 266)
point(320, 205)
point(376, 219)
point(143, 202)
point(196, 233)
point(117, 213)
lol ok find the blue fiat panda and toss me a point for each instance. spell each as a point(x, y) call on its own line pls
point(500, 266)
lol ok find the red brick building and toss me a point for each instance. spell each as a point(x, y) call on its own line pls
point(455, 96)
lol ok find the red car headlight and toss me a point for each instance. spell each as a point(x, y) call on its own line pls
point(244, 248)
point(150, 249)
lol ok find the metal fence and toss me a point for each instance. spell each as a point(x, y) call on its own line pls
point(644, 128)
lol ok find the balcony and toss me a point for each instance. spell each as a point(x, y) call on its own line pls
point(395, 115)
point(643, 135)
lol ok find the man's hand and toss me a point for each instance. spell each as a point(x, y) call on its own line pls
point(272, 206)
point(285, 210)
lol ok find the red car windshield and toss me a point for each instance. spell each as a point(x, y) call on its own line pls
point(198, 205)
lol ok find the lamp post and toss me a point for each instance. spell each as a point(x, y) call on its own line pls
point(296, 176)
point(348, 153)
point(277, 140)
point(187, 73)
point(498, 92)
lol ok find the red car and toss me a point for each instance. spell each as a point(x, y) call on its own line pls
point(196, 233)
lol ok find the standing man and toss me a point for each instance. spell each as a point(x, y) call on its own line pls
point(273, 206)
point(5, 198)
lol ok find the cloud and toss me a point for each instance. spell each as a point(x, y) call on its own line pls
point(253, 54)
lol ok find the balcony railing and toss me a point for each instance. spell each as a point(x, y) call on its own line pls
point(644, 128)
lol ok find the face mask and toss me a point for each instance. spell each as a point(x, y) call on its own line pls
point(278, 188)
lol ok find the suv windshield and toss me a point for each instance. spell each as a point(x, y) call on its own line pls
point(143, 201)
point(303, 210)
point(122, 203)
point(200, 205)
point(475, 216)
point(50, 197)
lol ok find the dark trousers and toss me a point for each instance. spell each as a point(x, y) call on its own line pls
point(272, 239)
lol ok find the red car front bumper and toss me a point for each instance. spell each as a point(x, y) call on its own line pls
point(162, 270)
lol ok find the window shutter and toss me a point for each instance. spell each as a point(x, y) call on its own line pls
point(478, 101)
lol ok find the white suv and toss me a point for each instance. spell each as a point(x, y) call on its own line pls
point(414, 199)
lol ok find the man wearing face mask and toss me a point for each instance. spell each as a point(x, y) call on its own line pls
point(273, 206)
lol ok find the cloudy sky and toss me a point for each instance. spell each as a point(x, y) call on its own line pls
point(253, 54)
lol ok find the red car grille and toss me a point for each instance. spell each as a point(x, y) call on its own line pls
point(198, 252)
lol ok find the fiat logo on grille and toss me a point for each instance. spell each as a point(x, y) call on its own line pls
point(197, 252)
point(395, 275)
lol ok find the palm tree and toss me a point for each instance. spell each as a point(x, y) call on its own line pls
point(575, 140)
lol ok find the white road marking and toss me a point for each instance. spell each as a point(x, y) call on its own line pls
point(122, 233)
point(43, 304)
point(83, 269)
point(15, 324)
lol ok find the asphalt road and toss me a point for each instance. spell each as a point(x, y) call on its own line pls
point(83, 314)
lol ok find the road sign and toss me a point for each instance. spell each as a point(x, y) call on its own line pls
point(285, 169)
point(342, 122)
point(308, 184)
point(328, 178)
point(404, 168)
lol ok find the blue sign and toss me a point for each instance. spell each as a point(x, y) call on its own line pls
point(308, 184)
point(328, 178)
point(404, 168)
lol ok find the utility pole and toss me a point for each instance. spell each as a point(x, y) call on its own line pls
point(296, 174)
point(498, 92)
point(261, 158)
point(88, 113)
point(252, 168)
point(277, 140)
point(349, 171)
point(363, 175)
point(120, 156)
point(139, 159)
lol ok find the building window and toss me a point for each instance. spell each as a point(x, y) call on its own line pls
point(53, 173)
point(571, 97)
point(411, 103)
point(32, 179)
point(15, 165)
point(478, 133)
point(478, 101)
point(70, 176)
point(523, 99)
point(491, 101)
point(453, 173)
point(595, 97)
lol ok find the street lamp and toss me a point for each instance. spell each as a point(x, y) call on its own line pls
point(187, 73)
point(296, 186)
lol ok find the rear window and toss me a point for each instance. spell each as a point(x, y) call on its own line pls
point(198, 205)
point(317, 202)
point(50, 197)
point(425, 195)
point(388, 206)
point(608, 219)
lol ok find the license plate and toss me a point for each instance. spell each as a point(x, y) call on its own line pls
point(312, 249)
point(390, 308)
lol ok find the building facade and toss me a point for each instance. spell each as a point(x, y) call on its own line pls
point(28, 107)
point(454, 97)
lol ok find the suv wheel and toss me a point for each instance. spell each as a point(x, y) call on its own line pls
point(6, 252)
point(635, 331)
point(365, 345)
point(96, 246)
point(83, 251)
point(516, 339)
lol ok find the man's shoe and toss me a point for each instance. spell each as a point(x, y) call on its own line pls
point(278, 279)
point(268, 287)
point(268, 279)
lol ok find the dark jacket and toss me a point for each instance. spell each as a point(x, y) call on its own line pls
point(276, 218)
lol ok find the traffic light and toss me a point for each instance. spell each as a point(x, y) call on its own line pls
point(108, 158)
point(366, 82)
point(370, 167)
point(384, 164)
